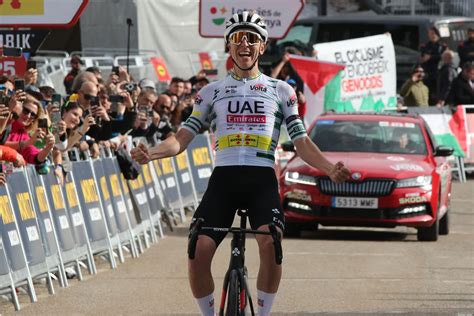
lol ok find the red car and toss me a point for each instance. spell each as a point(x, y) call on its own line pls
point(400, 177)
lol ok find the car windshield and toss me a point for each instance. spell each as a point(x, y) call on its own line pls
point(369, 136)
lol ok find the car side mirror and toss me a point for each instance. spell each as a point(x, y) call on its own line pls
point(443, 151)
point(288, 146)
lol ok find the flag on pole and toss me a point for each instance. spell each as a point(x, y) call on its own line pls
point(449, 128)
point(316, 74)
point(206, 62)
point(160, 69)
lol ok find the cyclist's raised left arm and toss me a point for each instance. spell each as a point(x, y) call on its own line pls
point(305, 147)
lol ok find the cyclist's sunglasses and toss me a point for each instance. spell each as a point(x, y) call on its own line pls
point(252, 38)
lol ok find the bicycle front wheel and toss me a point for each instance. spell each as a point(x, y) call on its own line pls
point(233, 295)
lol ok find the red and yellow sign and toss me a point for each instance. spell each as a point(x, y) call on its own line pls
point(21, 7)
point(160, 68)
point(206, 62)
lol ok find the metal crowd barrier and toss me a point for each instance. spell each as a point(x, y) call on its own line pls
point(46, 227)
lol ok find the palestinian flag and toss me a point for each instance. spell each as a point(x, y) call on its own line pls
point(448, 128)
point(315, 74)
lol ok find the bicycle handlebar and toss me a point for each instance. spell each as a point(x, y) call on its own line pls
point(194, 232)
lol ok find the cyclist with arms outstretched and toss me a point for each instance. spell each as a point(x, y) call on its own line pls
point(245, 110)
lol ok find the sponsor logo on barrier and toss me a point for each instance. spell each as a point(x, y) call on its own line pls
point(124, 184)
point(5, 210)
point(71, 196)
point(47, 225)
point(170, 183)
point(63, 222)
point(110, 210)
point(146, 174)
point(151, 193)
point(57, 198)
point(24, 204)
point(32, 233)
point(89, 191)
point(40, 195)
point(14, 238)
point(114, 183)
point(121, 207)
point(105, 190)
point(166, 166)
point(181, 161)
point(201, 156)
point(204, 173)
point(77, 219)
point(95, 215)
point(185, 177)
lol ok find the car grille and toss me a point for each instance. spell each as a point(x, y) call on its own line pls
point(369, 187)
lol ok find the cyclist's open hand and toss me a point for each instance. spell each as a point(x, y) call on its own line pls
point(141, 154)
point(339, 173)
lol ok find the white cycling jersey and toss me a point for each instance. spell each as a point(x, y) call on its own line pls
point(245, 115)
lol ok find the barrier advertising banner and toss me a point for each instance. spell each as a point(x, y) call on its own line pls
point(369, 80)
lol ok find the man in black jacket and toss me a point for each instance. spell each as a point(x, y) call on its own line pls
point(466, 48)
point(462, 89)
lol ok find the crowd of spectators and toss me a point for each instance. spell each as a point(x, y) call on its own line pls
point(437, 80)
point(40, 127)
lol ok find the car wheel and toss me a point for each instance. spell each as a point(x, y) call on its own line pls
point(292, 230)
point(444, 224)
point(429, 233)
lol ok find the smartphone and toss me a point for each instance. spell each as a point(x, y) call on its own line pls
point(31, 64)
point(19, 84)
point(116, 98)
point(12, 51)
point(43, 123)
point(210, 72)
point(56, 99)
point(55, 117)
point(4, 99)
point(94, 102)
point(115, 70)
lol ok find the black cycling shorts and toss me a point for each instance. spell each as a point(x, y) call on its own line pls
point(254, 189)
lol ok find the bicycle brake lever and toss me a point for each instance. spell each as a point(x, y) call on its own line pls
point(276, 243)
point(193, 237)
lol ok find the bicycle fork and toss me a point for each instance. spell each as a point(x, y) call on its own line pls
point(236, 273)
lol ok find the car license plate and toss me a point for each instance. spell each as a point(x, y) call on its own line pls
point(354, 202)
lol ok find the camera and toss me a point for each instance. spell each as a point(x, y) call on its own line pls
point(130, 87)
point(116, 98)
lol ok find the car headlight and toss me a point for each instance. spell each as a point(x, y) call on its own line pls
point(295, 177)
point(419, 181)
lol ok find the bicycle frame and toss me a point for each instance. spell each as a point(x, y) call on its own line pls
point(235, 289)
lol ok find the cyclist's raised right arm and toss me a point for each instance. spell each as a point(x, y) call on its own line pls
point(173, 145)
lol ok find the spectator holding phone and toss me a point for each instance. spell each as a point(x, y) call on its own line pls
point(414, 91)
point(20, 139)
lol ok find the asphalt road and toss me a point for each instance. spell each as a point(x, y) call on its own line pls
point(332, 271)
